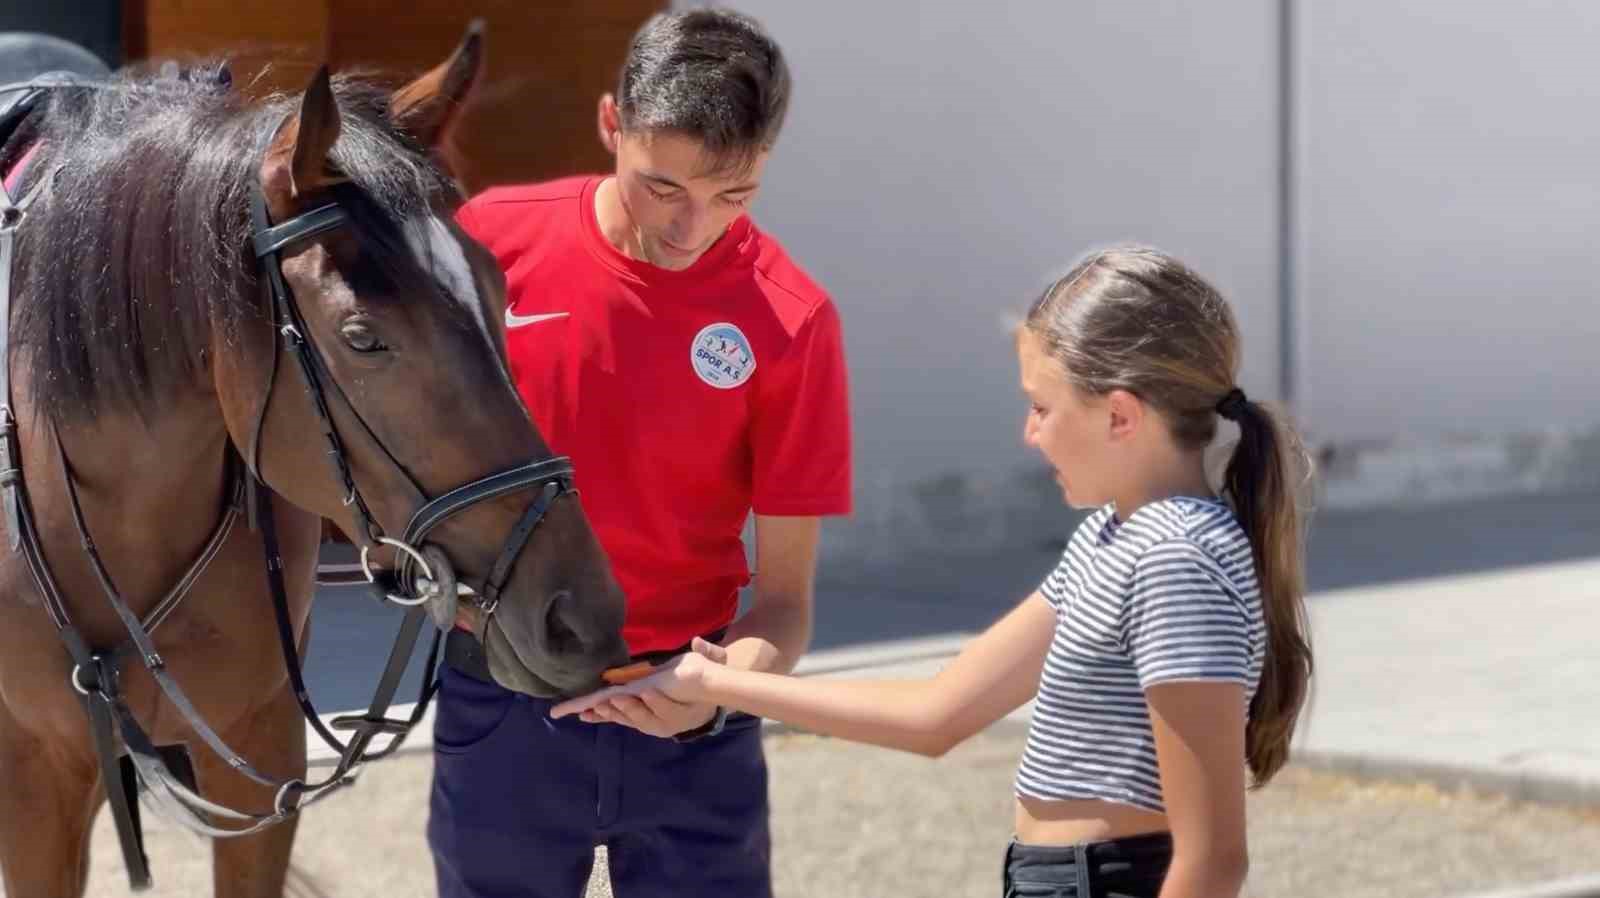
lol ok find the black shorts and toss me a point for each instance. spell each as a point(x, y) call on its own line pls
point(1133, 867)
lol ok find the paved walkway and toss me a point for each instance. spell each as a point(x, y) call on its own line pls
point(1490, 680)
point(856, 822)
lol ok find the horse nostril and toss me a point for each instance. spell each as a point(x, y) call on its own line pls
point(560, 635)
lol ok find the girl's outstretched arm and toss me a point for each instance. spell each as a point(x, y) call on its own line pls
point(994, 675)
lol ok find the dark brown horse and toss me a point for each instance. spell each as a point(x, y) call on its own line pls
point(207, 289)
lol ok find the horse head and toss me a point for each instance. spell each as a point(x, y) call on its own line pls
point(380, 346)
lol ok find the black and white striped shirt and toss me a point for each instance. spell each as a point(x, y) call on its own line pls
point(1170, 594)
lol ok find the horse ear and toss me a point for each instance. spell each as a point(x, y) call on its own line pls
point(297, 162)
point(429, 107)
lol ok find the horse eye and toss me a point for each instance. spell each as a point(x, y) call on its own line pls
point(361, 338)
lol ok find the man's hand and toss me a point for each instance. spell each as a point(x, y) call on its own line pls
point(652, 713)
point(664, 704)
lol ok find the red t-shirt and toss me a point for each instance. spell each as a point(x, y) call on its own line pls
point(686, 399)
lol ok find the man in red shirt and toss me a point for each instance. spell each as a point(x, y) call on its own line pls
point(695, 375)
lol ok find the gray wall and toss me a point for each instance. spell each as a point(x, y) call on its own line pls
point(1451, 202)
point(943, 160)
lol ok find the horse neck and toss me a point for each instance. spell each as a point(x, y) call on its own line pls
point(151, 493)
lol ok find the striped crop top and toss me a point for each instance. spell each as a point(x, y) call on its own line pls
point(1170, 594)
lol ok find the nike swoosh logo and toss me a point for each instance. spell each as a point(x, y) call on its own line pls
point(515, 320)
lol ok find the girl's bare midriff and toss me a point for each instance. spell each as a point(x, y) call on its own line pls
point(1042, 822)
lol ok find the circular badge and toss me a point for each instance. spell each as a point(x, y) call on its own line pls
point(721, 356)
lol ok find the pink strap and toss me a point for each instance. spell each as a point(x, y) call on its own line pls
point(15, 174)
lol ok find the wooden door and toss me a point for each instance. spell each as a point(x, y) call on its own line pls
point(534, 115)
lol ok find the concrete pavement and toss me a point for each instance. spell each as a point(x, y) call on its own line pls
point(1488, 679)
point(853, 821)
point(1487, 682)
point(961, 589)
point(1481, 679)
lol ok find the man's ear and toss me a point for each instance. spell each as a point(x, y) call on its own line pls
point(609, 120)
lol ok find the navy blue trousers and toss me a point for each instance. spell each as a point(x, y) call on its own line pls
point(520, 801)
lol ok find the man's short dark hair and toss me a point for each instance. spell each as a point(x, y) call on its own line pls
point(711, 74)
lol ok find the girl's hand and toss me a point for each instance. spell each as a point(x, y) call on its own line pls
point(680, 681)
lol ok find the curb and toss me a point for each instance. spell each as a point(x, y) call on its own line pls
point(1580, 887)
point(1514, 785)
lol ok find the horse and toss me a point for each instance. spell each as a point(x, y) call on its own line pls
point(216, 302)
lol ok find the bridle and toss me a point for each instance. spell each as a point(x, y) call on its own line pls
point(553, 477)
point(422, 576)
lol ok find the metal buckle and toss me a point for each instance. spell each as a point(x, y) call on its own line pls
point(487, 609)
point(427, 572)
point(77, 683)
point(278, 810)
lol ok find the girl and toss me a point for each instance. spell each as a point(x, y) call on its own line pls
point(1168, 651)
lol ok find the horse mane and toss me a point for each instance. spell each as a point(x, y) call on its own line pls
point(142, 243)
